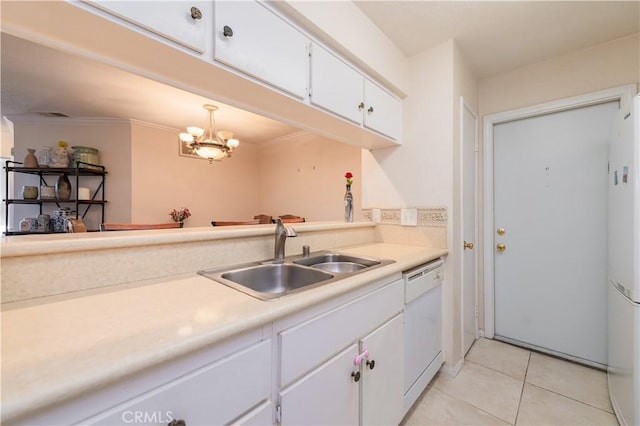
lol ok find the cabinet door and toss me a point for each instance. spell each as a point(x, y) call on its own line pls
point(335, 86)
point(215, 394)
point(251, 38)
point(170, 19)
point(383, 112)
point(383, 374)
point(327, 396)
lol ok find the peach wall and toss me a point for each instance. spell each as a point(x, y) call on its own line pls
point(147, 178)
point(602, 66)
point(161, 180)
point(304, 175)
point(111, 137)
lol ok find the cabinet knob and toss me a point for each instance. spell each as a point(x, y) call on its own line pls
point(227, 31)
point(370, 110)
point(361, 106)
point(356, 376)
point(195, 13)
point(371, 364)
point(177, 422)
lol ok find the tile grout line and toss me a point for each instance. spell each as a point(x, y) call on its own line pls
point(524, 381)
point(572, 399)
point(472, 405)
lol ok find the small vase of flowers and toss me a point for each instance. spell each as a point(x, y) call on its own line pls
point(180, 215)
point(348, 199)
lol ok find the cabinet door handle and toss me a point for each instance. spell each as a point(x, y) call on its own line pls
point(371, 364)
point(177, 422)
point(356, 376)
point(227, 31)
point(361, 106)
point(195, 13)
point(370, 110)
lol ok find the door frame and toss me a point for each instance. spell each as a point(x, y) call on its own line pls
point(623, 94)
point(464, 106)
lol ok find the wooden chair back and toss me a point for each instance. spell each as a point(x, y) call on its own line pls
point(234, 222)
point(289, 218)
point(263, 218)
point(137, 226)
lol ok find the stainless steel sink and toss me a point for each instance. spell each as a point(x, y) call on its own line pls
point(336, 262)
point(270, 280)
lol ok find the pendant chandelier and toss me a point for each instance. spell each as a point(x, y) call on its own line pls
point(210, 143)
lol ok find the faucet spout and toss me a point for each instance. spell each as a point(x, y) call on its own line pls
point(282, 232)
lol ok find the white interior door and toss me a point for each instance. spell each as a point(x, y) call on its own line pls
point(550, 198)
point(469, 249)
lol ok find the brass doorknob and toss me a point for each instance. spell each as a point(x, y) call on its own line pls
point(468, 245)
point(500, 231)
point(501, 247)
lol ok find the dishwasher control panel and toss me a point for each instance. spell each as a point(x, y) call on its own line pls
point(421, 279)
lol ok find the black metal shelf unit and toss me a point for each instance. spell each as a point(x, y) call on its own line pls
point(80, 170)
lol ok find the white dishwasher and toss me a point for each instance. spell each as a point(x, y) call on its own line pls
point(422, 328)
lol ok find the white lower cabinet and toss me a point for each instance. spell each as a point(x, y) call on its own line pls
point(327, 396)
point(383, 374)
point(214, 394)
point(352, 363)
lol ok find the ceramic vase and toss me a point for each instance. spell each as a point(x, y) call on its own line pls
point(63, 188)
point(348, 205)
point(30, 160)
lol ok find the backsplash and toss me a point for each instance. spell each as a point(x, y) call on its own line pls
point(431, 217)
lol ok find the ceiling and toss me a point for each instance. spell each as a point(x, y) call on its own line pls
point(493, 36)
point(498, 36)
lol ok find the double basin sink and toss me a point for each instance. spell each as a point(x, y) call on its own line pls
point(270, 280)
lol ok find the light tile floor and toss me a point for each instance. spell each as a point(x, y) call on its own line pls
point(501, 384)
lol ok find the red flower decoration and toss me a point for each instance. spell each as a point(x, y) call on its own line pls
point(349, 177)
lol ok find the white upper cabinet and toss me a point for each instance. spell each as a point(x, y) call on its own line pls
point(251, 38)
point(181, 21)
point(382, 111)
point(341, 89)
point(335, 86)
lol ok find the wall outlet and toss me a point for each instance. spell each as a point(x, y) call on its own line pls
point(409, 217)
point(376, 215)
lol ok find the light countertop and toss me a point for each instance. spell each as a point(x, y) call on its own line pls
point(55, 351)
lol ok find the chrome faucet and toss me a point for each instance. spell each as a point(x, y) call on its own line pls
point(282, 232)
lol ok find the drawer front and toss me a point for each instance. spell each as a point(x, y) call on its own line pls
point(419, 283)
point(306, 345)
point(215, 394)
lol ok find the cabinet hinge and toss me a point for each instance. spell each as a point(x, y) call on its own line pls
point(278, 414)
point(475, 312)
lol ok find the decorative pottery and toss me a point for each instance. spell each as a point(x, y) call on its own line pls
point(47, 192)
point(44, 223)
point(61, 218)
point(348, 205)
point(63, 188)
point(85, 154)
point(30, 160)
point(44, 156)
point(29, 192)
point(60, 157)
point(84, 193)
